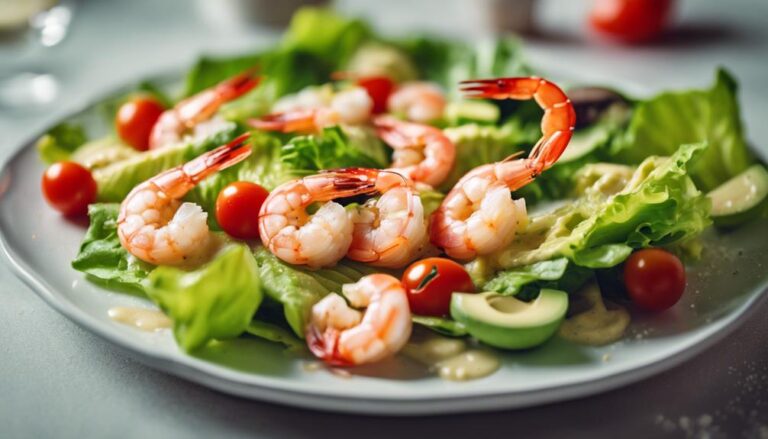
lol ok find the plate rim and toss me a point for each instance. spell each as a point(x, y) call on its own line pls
point(384, 406)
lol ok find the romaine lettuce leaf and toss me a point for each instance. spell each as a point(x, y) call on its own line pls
point(527, 281)
point(656, 204)
point(326, 34)
point(60, 142)
point(116, 180)
point(298, 288)
point(661, 124)
point(103, 259)
point(215, 301)
point(441, 325)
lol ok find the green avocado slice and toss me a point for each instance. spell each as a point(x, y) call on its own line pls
point(507, 322)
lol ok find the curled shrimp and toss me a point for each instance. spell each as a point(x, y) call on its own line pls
point(320, 239)
point(173, 124)
point(352, 107)
point(343, 336)
point(421, 152)
point(390, 230)
point(478, 216)
point(155, 226)
point(418, 101)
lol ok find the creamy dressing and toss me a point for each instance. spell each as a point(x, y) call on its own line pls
point(599, 324)
point(451, 358)
point(142, 318)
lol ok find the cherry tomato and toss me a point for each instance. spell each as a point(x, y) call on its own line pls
point(135, 119)
point(655, 279)
point(379, 88)
point(69, 188)
point(237, 209)
point(430, 283)
point(631, 20)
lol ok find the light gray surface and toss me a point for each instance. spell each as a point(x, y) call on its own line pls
point(56, 379)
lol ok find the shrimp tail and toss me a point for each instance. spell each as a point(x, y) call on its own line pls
point(202, 166)
point(238, 85)
point(558, 122)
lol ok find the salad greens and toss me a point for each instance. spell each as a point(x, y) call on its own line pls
point(624, 183)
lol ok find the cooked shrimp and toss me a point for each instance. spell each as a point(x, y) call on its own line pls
point(421, 152)
point(322, 238)
point(389, 231)
point(478, 216)
point(155, 226)
point(351, 107)
point(173, 124)
point(343, 336)
point(418, 101)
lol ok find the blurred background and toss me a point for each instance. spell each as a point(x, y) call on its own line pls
point(57, 56)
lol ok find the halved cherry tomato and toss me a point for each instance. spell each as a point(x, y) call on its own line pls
point(237, 209)
point(430, 283)
point(655, 279)
point(379, 88)
point(69, 188)
point(135, 119)
point(631, 20)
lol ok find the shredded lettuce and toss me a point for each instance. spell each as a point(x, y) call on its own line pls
point(661, 124)
point(103, 259)
point(202, 306)
point(333, 149)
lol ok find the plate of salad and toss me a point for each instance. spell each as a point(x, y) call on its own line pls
point(355, 223)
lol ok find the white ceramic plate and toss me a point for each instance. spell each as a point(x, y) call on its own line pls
point(722, 288)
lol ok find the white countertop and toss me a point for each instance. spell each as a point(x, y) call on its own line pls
point(57, 380)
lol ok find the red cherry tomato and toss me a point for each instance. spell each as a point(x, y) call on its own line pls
point(631, 20)
point(430, 283)
point(135, 119)
point(655, 279)
point(237, 209)
point(379, 88)
point(69, 188)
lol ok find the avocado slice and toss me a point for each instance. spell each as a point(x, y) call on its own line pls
point(741, 198)
point(507, 322)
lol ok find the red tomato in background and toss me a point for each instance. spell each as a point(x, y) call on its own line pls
point(655, 279)
point(237, 209)
point(430, 283)
point(631, 20)
point(69, 188)
point(379, 88)
point(136, 118)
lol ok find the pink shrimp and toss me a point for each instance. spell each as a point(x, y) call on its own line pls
point(421, 152)
point(417, 101)
point(174, 123)
point(324, 237)
point(478, 216)
point(344, 336)
point(155, 226)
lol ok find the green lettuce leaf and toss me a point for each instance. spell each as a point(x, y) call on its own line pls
point(332, 149)
point(326, 34)
point(297, 288)
point(103, 259)
point(60, 142)
point(527, 281)
point(622, 209)
point(215, 301)
point(661, 124)
point(274, 333)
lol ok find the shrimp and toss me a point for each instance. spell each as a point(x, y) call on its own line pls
point(391, 230)
point(478, 216)
point(155, 226)
point(421, 152)
point(322, 238)
point(343, 336)
point(352, 106)
point(418, 101)
point(174, 123)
